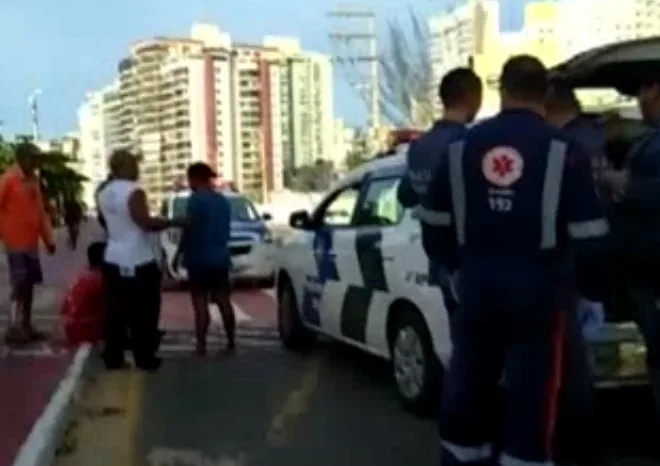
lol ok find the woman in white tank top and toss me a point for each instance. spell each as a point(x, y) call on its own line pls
point(131, 266)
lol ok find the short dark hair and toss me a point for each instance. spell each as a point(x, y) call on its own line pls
point(458, 85)
point(525, 77)
point(95, 254)
point(561, 96)
point(201, 171)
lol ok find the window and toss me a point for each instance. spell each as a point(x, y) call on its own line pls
point(380, 205)
point(338, 209)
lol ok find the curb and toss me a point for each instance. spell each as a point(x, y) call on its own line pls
point(41, 444)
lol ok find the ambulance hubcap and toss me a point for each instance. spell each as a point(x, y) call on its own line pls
point(408, 362)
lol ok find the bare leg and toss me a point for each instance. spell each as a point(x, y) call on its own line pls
point(200, 304)
point(21, 315)
point(222, 299)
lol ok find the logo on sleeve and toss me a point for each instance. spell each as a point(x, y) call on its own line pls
point(502, 166)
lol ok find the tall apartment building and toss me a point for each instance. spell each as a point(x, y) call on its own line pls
point(460, 34)
point(93, 155)
point(246, 109)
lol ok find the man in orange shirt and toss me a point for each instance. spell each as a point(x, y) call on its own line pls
point(23, 222)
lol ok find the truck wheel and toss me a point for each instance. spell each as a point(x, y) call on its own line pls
point(416, 370)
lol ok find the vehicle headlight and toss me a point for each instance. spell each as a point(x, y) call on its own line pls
point(267, 237)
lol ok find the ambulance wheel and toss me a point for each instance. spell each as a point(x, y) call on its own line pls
point(416, 370)
point(293, 333)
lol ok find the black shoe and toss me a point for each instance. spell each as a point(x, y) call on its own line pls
point(150, 365)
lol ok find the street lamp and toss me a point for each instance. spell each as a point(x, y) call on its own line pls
point(34, 111)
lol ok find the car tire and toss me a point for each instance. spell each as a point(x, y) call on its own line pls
point(416, 370)
point(293, 333)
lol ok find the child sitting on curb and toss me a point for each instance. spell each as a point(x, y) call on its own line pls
point(83, 309)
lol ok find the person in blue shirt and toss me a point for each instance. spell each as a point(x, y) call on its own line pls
point(511, 211)
point(563, 110)
point(204, 250)
point(460, 93)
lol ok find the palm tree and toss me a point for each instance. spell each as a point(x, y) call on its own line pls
point(58, 181)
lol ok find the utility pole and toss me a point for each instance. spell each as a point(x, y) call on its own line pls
point(34, 112)
point(353, 37)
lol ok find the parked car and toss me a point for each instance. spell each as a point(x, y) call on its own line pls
point(251, 244)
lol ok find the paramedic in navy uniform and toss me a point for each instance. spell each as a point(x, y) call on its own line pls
point(461, 95)
point(513, 194)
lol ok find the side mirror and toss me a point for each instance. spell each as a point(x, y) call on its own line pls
point(299, 219)
point(266, 216)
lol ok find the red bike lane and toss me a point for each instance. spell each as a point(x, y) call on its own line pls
point(30, 375)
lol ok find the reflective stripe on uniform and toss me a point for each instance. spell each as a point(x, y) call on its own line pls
point(457, 183)
point(434, 218)
point(554, 173)
point(508, 460)
point(468, 454)
point(589, 229)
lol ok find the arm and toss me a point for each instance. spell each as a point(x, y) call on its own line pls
point(405, 193)
point(436, 217)
point(139, 210)
point(583, 216)
point(643, 191)
point(45, 228)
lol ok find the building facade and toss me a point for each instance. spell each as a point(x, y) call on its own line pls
point(248, 110)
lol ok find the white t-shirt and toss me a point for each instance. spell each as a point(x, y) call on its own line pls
point(128, 245)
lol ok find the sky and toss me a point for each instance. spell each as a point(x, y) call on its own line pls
point(70, 47)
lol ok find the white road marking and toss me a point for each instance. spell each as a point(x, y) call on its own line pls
point(241, 315)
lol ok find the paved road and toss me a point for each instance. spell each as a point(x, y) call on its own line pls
point(265, 407)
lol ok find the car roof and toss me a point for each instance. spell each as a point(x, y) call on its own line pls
point(622, 65)
point(391, 165)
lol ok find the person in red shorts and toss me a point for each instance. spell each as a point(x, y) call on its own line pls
point(83, 309)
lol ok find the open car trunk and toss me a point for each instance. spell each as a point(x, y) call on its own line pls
point(623, 66)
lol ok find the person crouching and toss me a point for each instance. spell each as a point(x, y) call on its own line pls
point(83, 307)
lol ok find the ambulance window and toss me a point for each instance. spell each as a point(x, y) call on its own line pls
point(380, 205)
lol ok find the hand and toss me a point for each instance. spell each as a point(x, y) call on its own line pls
point(50, 249)
point(617, 182)
point(176, 262)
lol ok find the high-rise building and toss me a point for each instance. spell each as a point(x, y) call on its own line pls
point(303, 83)
point(589, 23)
point(246, 109)
point(93, 152)
point(460, 34)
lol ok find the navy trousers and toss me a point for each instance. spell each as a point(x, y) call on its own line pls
point(512, 322)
